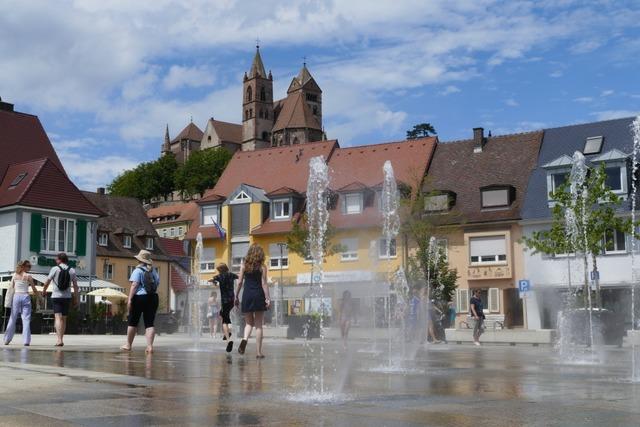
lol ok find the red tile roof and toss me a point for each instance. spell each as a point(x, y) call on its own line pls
point(184, 211)
point(177, 281)
point(296, 114)
point(173, 247)
point(504, 160)
point(191, 132)
point(227, 132)
point(271, 168)
point(43, 178)
point(208, 232)
point(271, 226)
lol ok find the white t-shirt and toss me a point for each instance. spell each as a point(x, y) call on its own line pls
point(53, 275)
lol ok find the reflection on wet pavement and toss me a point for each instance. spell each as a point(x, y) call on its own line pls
point(448, 386)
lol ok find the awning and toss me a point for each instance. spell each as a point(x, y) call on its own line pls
point(83, 282)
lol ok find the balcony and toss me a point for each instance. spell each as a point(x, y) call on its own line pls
point(489, 272)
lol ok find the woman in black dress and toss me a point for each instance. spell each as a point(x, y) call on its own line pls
point(255, 298)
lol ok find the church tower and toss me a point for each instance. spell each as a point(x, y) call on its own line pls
point(257, 106)
point(166, 146)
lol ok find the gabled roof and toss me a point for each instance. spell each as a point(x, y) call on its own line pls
point(255, 193)
point(560, 162)
point(191, 132)
point(271, 168)
point(227, 132)
point(363, 164)
point(184, 211)
point(304, 80)
point(566, 140)
point(211, 198)
point(257, 67)
point(504, 160)
point(41, 179)
point(610, 155)
point(124, 213)
point(354, 186)
point(283, 191)
point(296, 114)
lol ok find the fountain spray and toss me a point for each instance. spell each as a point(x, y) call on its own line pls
point(635, 356)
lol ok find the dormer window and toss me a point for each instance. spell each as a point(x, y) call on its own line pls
point(441, 202)
point(149, 243)
point(126, 241)
point(241, 197)
point(281, 209)
point(210, 215)
point(353, 203)
point(103, 239)
point(613, 178)
point(497, 197)
point(593, 145)
point(557, 180)
point(615, 162)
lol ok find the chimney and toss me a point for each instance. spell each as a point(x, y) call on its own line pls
point(5, 106)
point(478, 140)
point(101, 191)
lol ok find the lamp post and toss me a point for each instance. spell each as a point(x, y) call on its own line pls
point(282, 247)
point(93, 225)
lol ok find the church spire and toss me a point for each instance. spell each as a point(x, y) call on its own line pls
point(257, 67)
point(166, 147)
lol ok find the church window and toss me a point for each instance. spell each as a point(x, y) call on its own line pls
point(266, 114)
point(250, 113)
point(263, 94)
point(265, 136)
point(249, 94)
point(260, 114)
point(246, 114)
point(315, 110)
point(312, 97)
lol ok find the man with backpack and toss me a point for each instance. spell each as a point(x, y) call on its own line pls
point(63, 277)
point(143, 300)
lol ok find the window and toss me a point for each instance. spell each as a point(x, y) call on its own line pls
point(130, 269)
point(126, 241)
point(263, 94)
point(278, 260)
point(265, 135)
point(238, 252)
point(103, 239)
point(494, 300)
point(315, 110)
point(210, 215)
point(495, 197)
point(443, 247)
point(382, 249)
point(260, 114)
point(352, 203)
point(311, 97)
point(350, 250)
point(615, 242)
point(557, 180)
point(613, 178)
point(487, 250)
point(249, 94)
point(240, 220)
point(180, 231)
point(17, 180)
point(281, 209)
point(208, 263)
point(462, 300)
point(164, 232)
point(593, 145)
point(437, 203)
point(246, 114)
point(242, 197)
point(172, 232)
point(58, 235)
point(107, 271)
point(149, 243)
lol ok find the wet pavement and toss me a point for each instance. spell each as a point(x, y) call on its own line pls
point(446, 385)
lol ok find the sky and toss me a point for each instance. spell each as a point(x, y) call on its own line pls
point(106, 76)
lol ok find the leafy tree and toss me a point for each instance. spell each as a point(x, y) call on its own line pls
point(595, 210)
point(201, 171)
point(421, 130)
point(162, 173)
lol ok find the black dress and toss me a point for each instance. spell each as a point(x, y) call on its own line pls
point(253, 298)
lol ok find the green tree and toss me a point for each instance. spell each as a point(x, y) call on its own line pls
point(298, 239)
point(421, 130)
point(163, 173)
point(597, 220)
point(201, 171)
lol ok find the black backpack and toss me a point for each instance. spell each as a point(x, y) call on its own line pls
point(148, 281)
point(64, 279)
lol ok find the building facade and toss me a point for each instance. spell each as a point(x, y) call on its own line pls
point(172, 220)
point(609, 143)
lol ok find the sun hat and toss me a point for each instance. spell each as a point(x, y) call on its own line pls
point(144, 257)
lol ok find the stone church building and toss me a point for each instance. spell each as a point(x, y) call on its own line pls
point(295, 119)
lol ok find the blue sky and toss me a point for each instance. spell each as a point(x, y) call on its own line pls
point(106, 76)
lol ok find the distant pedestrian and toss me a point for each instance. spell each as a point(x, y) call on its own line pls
point(346, 316)
point(213, 309)
point(143, 300)
point(452, 314)
point(21, 303)
point(226, 282)
point(63, 277)
point(255, 298)
point(475, 306)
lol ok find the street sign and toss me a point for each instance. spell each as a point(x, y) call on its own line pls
point(595, 275)
point(524, 285)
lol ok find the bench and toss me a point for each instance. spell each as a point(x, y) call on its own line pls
point(491, 321)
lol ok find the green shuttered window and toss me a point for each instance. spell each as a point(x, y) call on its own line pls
point(34, 238)
point(81, 238)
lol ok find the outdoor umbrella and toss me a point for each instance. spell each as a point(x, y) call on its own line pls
point(108, 293)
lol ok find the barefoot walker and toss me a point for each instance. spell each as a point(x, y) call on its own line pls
point(63, 277)
point(226, 282)
point(255, 299)
point(21, 303)
point(143, 300)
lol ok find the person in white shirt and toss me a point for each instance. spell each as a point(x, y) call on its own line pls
point(21, 303)
point(63, 277)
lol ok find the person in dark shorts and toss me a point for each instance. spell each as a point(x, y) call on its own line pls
point(63, 278)
point(143, 300)
point(226, 282)
point(477, 312)
point(255, 298)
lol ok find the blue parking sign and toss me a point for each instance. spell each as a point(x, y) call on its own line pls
point(524, 285)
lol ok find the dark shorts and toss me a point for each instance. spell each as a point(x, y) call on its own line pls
point(146, 306)
point(61, 305)
point(225, 312)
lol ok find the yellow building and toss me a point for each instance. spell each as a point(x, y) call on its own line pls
point(172, 221)
point(121, 234)
point(475, 191)
point(262, 193)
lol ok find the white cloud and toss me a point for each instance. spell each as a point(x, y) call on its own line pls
point(557, 73)
point(522, 126)
point(511, 102)
point(614, 114)
point(181, 76)
point(583, 99)
point(607, 92)
point(585, 46)
point(449, 90)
